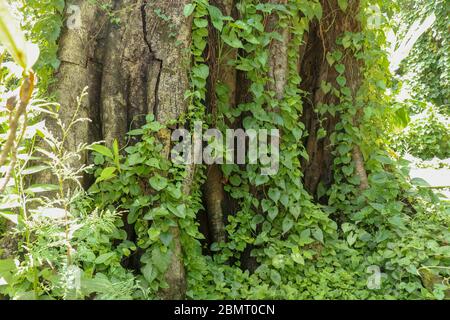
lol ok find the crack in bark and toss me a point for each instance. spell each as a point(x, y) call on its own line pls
point(136, 77)
point(152, 56)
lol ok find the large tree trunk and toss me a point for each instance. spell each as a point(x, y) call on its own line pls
point(316, 70)
point(139, 67)
point(132, 69)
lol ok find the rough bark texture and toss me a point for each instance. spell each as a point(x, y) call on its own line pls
point(140, 66)
point(133, 68)
point(314, 70)
point(278, 76)
point(220, 73)
point(278, 55)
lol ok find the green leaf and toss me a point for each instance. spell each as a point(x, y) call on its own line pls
point(135, 159)
point(189, 9)
point(330, 59)
point(133, 216)
point(273, 212)
point(179, 211)
point(397, 221)
point(347, 170)
point(318, 234)
point(257, 89)
point(235, 180)
point(420, 182)
point(274, 194)
point(98, 284)
point(266, 204)
point(37, 188)
point(284, 199)
point(317, 9)
point(153, 233)
point(12, 38)
point(14, 218)
point(275, 277)
point(341, 81)
point(295, 211)
point(346, 227)
point(161, 259)
point(7, 265)
point(116, 154)
point(201, 23)
point(343, 4)
point(216, 17)
point(346, 42)
point(340, 68)
point(201, 71)
point(321, 133)
point(106, 174)
point(402, 117)
point(384, 159)
point(149, 272)
point(156, 212)
point(256, 220)
point(351, 238)
point(175, 192)
point(104, 258)
point(136, 132)
point(260, 179)
point(166, 238)
point(297, 257)
point(379, 178)
point(232, 40)
point(377, 206)
point(325, 86)
point(102, 150)
point(34, 169)
point(158, 183)
point(288, 223)
point(305, 234)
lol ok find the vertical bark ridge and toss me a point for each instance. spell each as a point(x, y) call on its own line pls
point(135, 67)
point(168, 39)
point(223, 74)
point(79, 68)
point(278, 55)
point(315, 70)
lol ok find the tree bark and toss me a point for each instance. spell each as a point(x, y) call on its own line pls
point(314, 70)
point(140, 67)
point(134, 68)
point(223, 74)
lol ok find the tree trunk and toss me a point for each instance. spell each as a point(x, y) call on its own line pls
point(316, 70)
point(141, 66)
point(133, 68)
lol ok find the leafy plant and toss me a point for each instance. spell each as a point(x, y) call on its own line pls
point(116, 240)
point(426, 137)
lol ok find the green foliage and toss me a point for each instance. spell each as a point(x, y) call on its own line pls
point(426, 137)
point(64, 247)
point(74, 245)
point(43, 21)
point(425, 70)
point(301, 251)
point(147, 186)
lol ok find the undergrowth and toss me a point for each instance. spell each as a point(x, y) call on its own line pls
point(72, 244)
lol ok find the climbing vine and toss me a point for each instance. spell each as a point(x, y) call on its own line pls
point(44, 21)
point(289, 235)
